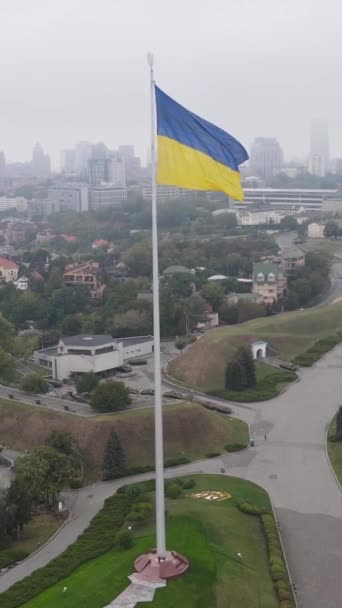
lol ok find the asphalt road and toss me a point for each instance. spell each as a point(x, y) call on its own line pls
point(291, 465)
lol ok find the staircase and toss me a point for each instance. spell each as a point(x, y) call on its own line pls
point(133, 595)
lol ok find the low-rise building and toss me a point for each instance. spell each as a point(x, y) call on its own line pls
point(8, 270)
point(99, 244)
point(315, 231)
point(21, 283)
point(269, 281)
point(292, 259)
point(96, 353)
point(87, 274)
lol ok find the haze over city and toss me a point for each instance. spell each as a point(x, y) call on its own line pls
point(75, 71)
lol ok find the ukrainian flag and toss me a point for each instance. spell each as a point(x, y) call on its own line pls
point(195, 154)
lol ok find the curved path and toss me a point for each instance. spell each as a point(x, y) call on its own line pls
point(291, 465)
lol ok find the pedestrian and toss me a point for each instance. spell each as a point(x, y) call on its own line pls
point(265, 437)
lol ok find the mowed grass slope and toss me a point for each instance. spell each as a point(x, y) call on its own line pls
point(210, 535)
point(288, 334)
point(189, 430)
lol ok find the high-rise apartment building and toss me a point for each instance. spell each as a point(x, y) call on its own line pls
point(68, 161)
point(266, 157)
point(82, 156)
point(40, 162)
point(107, 170)
point(319, 148)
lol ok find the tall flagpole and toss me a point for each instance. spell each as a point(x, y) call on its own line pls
point(158, 414)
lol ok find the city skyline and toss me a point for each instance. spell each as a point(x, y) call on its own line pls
point(57, 92)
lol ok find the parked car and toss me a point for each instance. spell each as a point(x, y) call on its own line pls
point(173, 395)
point(147, 391)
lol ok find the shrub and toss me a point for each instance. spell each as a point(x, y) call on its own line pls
point(110, 397)
point(179, 480)
point(276, 562)
point(212, 454)
point(188, 484)
point(133, 491)
point(34, 383)
point(234, 447)
point(176, 460)
point(87, 382)
point(136, 516)
point(250, 508)
point(173, 490)
point(124, 539)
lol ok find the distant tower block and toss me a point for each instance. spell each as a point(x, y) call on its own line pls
point(259, 349)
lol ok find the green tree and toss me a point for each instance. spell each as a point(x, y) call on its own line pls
point(44, 471)
point(288, 223)
point(213, 293)
point(7, 367)
point(19, 504)
point(338, 434)
point(235, 376)
point(114, 460)
point(34, 383)
point(110, 397)
point(247, 362)
point(87, 382)
point(64, 442)
point(71, 325)
point(331, 230)
point(139, 259)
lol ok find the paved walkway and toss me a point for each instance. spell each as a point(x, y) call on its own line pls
point(291, 465)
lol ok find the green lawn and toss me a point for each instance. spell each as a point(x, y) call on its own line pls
point(287, 334)
point(335, 452)
point(270, 381)
point(210, 535)
point(36, 533)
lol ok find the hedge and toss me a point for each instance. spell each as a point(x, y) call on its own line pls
point(276, 561)
point(316, 350)
point(94, 541)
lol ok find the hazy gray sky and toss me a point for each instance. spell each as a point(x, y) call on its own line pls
point(76, 69)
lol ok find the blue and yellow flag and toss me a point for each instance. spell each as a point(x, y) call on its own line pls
point(195, 154)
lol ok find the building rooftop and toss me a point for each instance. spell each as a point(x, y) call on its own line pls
point(5, 263)
point(292, 253)
point(266, 268)
point(134, 340)
point(83, 340)
point(177, 270)
point(217, 277)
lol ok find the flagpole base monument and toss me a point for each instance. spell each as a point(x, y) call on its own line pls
point(151, 569)
point(159, 565)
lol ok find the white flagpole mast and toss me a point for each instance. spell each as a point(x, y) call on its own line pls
point(158, 414)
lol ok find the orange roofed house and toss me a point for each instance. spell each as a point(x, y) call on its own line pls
point(87, 274)
point(8, 271)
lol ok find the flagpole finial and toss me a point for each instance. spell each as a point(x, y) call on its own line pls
point(150, 59)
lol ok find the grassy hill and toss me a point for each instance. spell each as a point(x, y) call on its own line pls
point(189, 430)
point(288, 334)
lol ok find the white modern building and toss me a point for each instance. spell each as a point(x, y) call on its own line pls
point(13, 202)
point(106, 195)
point(68, 197)
point(295, 199)
point(91, 353)
point(316, 231)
